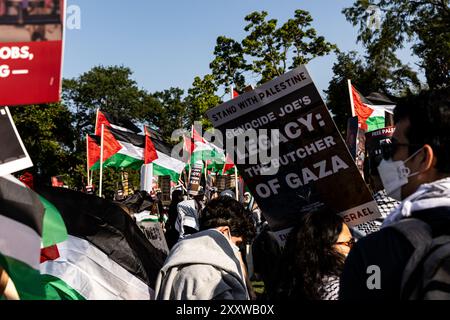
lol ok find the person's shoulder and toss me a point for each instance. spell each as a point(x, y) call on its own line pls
point(385, 243)
point(384, 235)
point(198, 281)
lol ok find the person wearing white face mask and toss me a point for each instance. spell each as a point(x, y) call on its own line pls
point(413, 246)
point(207, 265)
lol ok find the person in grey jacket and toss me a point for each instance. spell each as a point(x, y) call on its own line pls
point(208, 265)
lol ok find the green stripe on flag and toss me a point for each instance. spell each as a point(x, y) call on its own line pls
point(57, 289)
point(375, 123)
point(54, 230)
point(161, 171)
point(120, 160)
point(26, 279)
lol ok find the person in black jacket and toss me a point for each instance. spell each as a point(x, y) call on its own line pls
point(416, 171)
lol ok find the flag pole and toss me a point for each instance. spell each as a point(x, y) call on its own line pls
point(87, 157)
point(236, 183)
point(352, 102)
point(206, 173)
point(144, 172)
point(190, 159)
point(101, 162)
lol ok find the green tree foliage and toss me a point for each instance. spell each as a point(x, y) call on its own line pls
point(423, 24)
point(229, 64)
point(169, 113)
point(202, 97)
point(49, 138)
point(110, 89)
point(273, 51)
point(267, 51)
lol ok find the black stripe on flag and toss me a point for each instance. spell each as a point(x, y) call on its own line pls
point(21, 204)
point(135, 139)
point(124, 123)
point(139, 140)
point(105, 225)
point(97, 139)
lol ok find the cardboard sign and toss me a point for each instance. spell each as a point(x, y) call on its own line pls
point(314, 164)
point(356, 143)
point(31, 48)
point(164, 185)
point(373, 149)
point(13, 155)
point(195, 179)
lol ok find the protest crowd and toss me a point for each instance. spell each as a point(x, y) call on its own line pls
point(365, 217)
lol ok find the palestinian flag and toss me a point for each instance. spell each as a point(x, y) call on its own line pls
point(150, 153)
point(205, 151)
point(229, 166)
point(93, 149)
point(27, 222)
point(106, 256)
point(371, 114)
point(166, 165)
point(188, 145)
point(113, 122)
point(122, 150)
point(131, 155)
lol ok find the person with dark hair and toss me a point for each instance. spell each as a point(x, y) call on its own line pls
point(394, 263)
point(313, 257)
point(207, 265)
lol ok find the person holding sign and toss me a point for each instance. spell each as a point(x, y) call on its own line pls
point(409, 257)
point(314, 257)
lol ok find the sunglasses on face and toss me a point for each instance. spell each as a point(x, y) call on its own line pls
point(350, 243)
point(389, 147)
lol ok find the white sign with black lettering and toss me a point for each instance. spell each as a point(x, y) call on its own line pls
point(13, 155)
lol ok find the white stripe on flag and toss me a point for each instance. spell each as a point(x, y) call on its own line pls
point(131, 150)
point(91, 273)
point(169, 162)
point(382, 108)
point(19, 242)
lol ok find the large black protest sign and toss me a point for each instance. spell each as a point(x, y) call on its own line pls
point(13, 155)
point(314, 164)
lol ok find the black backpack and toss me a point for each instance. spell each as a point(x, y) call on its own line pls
point(427, 273)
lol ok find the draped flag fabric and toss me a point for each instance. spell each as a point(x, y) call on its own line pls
point(105, 257)
point(28, 222)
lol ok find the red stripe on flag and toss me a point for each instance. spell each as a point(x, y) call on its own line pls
point(94, 152)
point(110, 145)
point(362, 111)
point(197, 137)
point(150, 153)
point(101, 119)
point(49, 254)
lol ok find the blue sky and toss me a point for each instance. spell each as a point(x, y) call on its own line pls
point(169, 42)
